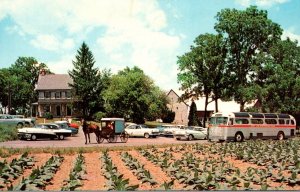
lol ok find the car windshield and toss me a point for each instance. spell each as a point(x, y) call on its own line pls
point(144, 126)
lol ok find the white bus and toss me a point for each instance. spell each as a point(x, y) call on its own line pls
point(238, 126)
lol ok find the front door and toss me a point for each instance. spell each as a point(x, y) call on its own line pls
point(58, 110)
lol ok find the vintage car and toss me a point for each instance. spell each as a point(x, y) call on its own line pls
point(168, 130)
point(46, 130)
point(28, 121)
point(66, 125)
point(8, 120)
point(141, 131)
point(191, 133)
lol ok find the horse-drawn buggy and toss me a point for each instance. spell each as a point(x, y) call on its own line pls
point(111, 129)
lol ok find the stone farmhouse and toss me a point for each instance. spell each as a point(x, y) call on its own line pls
point(54, 95)
point(182, 108)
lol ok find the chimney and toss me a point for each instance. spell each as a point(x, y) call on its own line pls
point(42, 72)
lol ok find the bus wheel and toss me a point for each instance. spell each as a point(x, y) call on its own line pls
point(280, 135)
point(239, 137)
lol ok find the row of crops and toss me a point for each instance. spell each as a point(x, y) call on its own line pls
point(252, 165)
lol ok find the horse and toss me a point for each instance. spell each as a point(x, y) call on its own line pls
point(90, 128)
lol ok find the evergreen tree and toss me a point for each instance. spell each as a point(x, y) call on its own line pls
point(85, 80)
point(193, 115)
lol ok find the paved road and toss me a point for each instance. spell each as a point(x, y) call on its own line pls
point(79, 141)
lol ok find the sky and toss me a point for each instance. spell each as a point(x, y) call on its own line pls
point(150, 34)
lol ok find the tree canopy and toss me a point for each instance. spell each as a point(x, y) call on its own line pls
point(87, 83)
point(18, 84)
point(246, 33)
point(133, 95)
point(245, 61)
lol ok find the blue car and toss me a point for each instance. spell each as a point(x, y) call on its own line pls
point(65, 125)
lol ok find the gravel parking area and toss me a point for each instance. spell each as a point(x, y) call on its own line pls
point(79, 141)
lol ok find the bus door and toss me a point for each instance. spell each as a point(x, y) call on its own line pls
point(218, 126)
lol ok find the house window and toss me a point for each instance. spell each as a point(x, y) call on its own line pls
point(57, 95)
point(68, 94)
point(47, 94)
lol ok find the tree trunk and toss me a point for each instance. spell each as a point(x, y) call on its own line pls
point(242, 106)
point(205, 109)
point(216, 105)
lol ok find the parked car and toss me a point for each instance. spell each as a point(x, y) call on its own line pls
point(8, 120)
point(66, 125)
point(168, 130)
point(28, 121)
point(141, 131)
point(47, 130)
point(191, 133)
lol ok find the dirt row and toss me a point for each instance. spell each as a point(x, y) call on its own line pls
point(94, 180)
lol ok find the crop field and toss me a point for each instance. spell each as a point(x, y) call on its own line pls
point(251, 165)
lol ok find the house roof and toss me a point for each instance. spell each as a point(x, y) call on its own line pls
point(177, 96)
point(54, 82)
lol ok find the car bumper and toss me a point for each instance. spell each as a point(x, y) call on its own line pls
point(24, 136)
point(181, 136)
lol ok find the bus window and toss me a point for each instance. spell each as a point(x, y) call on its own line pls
point(257, 121)
point(287, 122)
point(270, 121)
point(218, 120)
point(292, 122)
point(241, 121)
point(281, 121)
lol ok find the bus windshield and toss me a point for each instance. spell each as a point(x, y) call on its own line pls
point(219, 120)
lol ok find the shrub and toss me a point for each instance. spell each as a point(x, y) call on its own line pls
point(48, 115)
point(98, 116)
point(8, 133)
point(169, 116)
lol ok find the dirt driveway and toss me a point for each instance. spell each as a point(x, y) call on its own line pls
point(79, 141)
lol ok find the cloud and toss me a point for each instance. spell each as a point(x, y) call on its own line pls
point(61, 66)
point(132, 32)
point(262, 3)
point(289, 33)
point(51, 43)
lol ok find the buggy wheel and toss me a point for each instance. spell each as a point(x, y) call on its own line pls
point(112, 138)
point(100, 139)
point(124, 137)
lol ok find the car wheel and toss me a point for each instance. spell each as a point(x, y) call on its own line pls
point(146, 135)
point(61, 137)
point(280, 135)
point(191, 137)
point(33, 137)
point(177, 138)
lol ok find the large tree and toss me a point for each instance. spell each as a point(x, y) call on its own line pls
point(277, 78)
point(19, 82)
point(85, 77)
point(247, 33)
point(133, 95)
point(193, 118)
point(202, 70)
